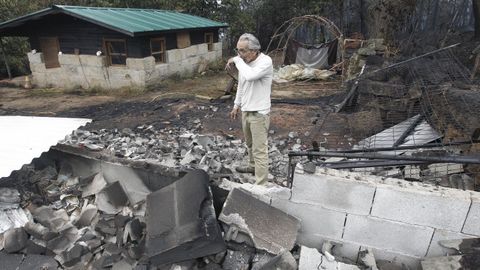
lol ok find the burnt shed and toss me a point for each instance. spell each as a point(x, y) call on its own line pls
point(114, 47)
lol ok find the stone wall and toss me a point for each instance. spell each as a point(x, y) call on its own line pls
point(400, 221)
point(89, 71)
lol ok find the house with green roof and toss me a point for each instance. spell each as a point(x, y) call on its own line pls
point(114, 47)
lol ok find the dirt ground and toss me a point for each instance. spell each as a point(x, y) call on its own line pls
point(301, 107)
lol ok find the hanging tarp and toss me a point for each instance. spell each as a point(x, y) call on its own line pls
point(317, 56)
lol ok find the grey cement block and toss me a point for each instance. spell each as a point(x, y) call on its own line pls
point(181, 221)
point(69, 59)
point(332, 192)
point(92, 60)
point(411, 240)
point(439, 235)
point(35, 58)
point(270, 229)
point(473, 218)
point(422, 206)
point(314, 220)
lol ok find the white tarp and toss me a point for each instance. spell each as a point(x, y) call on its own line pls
point(313, 58)
point(23, 138)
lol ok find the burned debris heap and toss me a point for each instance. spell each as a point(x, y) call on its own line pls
point(96, 223)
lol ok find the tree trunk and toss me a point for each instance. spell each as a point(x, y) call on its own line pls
point(5, 59)
point(476, 15)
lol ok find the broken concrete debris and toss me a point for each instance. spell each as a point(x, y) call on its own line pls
point(183, 149)
point(466, 255)
point(311, 258)
point(270, 229)
point(181, 222)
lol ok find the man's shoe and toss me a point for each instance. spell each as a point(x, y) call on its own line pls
point(245, 169)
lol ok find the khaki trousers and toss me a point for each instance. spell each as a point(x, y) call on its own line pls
point(255, 129)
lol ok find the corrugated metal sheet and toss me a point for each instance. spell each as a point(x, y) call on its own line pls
point(130, 21)
point(23, 138)
point(422, 134)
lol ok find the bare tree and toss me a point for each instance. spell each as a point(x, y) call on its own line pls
point(476, 14)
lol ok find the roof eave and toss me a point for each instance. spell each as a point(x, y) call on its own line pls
point(20, 20)
point(147, 33)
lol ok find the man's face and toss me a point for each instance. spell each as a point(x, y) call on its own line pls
point(244, 52)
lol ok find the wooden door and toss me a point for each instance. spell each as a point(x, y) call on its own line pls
point(50, 49)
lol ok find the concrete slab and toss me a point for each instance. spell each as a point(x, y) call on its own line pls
point(181, 222)
point(270, 229)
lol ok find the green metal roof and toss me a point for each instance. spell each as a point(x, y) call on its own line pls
point(130, 21)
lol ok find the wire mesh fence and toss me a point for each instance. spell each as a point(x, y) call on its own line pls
point(415, 120)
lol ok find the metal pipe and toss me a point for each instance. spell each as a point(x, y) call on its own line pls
point(410, 128)
point(443, 159)
point(429, 145)
point(370, 164)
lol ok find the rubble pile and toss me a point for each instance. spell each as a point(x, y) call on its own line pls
point(56, 220)
point(180, 148)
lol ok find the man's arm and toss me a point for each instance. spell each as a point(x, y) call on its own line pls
point(255, 73)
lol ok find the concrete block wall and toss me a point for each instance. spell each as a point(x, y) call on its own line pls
point(184, 61)
point(400, 221)
point(88, 71)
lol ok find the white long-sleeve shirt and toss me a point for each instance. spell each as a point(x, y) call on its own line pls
point(254, 84)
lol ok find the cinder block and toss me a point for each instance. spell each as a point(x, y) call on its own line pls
point(442, 209)
point(411, 240)
point(191, 51)
point(314, 220)
point(141, 64)
point(473, 218)
point(202, 48)
point(174, 56)
point(439, 235)
point(92, 60)
point(35, 58)
point(335, 193)
point(40, 67)
point(69, 59)
point(217, 46)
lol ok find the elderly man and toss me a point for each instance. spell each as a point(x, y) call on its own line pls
point(255, 72)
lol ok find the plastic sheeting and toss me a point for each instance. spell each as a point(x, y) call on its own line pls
point(23, 138)
point(299, 72)
point(313, 58)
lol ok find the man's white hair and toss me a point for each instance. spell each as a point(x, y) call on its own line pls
point(253, 43)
